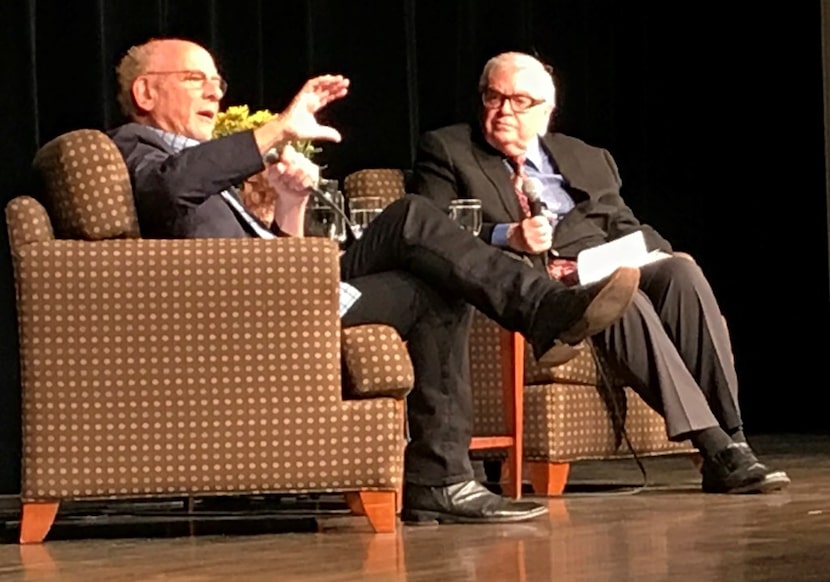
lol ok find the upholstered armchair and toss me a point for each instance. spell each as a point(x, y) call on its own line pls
point(188, 368)
point(566, 413)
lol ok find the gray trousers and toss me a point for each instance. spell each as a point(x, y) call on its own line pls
point(672, 347)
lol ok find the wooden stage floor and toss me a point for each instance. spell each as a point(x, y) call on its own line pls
point(668, 531)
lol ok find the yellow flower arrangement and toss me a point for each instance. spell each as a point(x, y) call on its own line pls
point(239, 118)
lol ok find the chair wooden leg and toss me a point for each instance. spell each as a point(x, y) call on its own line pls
point(512, 352)
point(353, 502)
point(511, 485)
point(36, 520)
point(548, 478)
point(380, 507)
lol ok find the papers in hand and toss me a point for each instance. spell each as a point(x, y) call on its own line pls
point(629, 251)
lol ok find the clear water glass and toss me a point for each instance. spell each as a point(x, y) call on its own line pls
point(466, 212)
point(321, 220)
point(362, 211)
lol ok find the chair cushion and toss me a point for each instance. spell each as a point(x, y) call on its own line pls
point(376, 363)
point(570, 422)
point(87, 190)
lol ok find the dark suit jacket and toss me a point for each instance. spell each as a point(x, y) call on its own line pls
point(456, 162)
point(178, 195)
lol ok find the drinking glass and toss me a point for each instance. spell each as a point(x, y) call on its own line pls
point(362, 211)
point(321, 219)
point(466, 212)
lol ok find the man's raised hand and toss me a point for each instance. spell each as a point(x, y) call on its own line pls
point(299, 117)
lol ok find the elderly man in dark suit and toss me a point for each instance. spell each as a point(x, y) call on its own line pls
point(671, 345)
point(413, 268)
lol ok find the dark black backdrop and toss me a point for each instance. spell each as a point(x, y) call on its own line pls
point(713, 110)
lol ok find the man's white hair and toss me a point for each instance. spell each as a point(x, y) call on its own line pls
point(515, 61)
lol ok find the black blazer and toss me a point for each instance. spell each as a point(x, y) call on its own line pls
point(456, 162)
point(178, 195)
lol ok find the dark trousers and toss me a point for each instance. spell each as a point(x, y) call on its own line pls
point(419, 272)
point(673, 348)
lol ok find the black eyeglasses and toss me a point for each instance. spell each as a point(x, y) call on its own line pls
point(493, 99)
point(194, 79)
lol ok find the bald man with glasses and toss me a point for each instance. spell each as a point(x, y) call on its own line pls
point(671, 344)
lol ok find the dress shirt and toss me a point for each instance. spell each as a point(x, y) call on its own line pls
point(539, 165)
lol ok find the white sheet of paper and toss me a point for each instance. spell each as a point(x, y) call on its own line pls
point(629, 251)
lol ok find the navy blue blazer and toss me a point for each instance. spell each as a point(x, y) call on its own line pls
point(178, 195)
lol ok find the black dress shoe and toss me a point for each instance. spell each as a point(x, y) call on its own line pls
point(465, 502)
point(736, 469)
point(572, 314)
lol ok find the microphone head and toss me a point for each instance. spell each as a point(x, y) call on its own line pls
point(532, 188)
point(272, 156)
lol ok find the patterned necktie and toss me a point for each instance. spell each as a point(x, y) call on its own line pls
point(518, 178)
point(561, 269)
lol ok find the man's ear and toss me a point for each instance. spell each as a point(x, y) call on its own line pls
point(143, 94)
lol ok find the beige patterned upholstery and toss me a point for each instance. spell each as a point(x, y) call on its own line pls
point(376, 362)
point(565, 417)
point(563, 422)
point(187, 367)
point(101, 206)
point(388, 183)
point(580, 370)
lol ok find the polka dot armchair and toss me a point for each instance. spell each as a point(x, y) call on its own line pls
point(186, 368)
point(567, 416)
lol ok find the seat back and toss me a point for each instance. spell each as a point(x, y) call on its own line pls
point(387, 183)
point(86, 188)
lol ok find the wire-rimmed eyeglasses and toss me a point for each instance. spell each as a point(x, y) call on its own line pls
point(194, 79)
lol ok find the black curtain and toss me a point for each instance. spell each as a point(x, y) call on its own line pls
point(713, 111)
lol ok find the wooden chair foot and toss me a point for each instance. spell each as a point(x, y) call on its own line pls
point(36, 520)
point(353, 502)
point(511, 477)
point(548, 478)
point(379, 507)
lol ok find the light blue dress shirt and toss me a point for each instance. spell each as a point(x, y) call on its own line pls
point(555, 198)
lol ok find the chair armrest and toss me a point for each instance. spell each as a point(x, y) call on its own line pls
point(375, 363)
point(27, 222)
point(221, 314)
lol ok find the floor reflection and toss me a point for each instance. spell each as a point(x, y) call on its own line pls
point(670, 531)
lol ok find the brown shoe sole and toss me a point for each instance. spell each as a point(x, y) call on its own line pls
point(607, 306)
point(559, 354)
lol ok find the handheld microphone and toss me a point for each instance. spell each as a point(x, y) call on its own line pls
point(271, 156)
point(532, 189)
